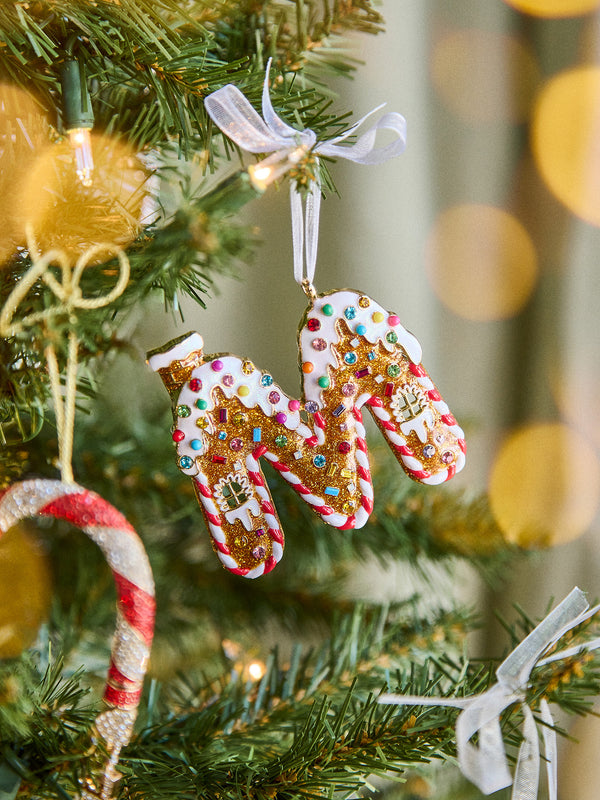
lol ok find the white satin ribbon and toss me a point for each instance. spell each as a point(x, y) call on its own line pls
point(485, 764)
point(232, 113)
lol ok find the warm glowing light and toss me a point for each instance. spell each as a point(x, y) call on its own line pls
point(25, 590)
point(260, 175)
point(566, 140)
point(81, 142)
point(70, 215)
point(554, 8)
point(545, 485)
point(256, 670)
point(275, 166)
point(484, 76)
point(481, 262)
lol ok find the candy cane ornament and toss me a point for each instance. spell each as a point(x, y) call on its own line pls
point(131, 570)
point(229, 414)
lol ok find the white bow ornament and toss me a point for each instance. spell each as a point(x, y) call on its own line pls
point(234, 115)
point(486, 764)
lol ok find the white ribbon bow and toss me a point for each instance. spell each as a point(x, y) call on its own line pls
point(232, 113)
point(486, 764)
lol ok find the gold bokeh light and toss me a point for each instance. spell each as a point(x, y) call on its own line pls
point(566, 140)
point(481, 262)
point(555, 8)
point(66, 214)
point(544, 485)
point(483, 76)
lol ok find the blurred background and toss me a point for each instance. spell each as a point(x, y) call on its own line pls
point(484, 238)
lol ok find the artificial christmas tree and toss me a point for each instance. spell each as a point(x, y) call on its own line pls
point(92, 233)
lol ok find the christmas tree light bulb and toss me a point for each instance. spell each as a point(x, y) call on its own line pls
point(81, 142)
point(256, 670)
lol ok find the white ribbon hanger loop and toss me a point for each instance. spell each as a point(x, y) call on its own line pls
point(485, 764)
point(234, 115)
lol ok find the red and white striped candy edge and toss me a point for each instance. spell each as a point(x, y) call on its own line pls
point(131, 570)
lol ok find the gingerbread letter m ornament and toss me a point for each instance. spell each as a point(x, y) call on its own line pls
point(229, 414)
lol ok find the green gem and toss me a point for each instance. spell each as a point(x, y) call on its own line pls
point(324, 382)
point(392, 337)
point(281, 440)
point(202, 405)
point(393, 370)
point(183, 411)
point(328, 310)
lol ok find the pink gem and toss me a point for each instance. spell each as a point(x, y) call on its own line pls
point(281, 417)
point(447, 457)
point(236, 444)
point(228, 380)
point(274, 397)
point(178, 436)
point(313, 324)
point(319, 344)
point(348, 389)
point(294, 405)
point(258, 552)
point(393, 320)
point(217, 365)
point(195, 384)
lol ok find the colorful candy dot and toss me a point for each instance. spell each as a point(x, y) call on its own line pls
point(280, 417)
point(217, 365)
point(274, 397)
point(247, 367)
point(236, 444)
point(392, 337)
point(178, 436)
point(185, 462)
point(201, 404)
point(196, 444)
point(324, 382)
point(328, 310)
point(319, 460)
point(350, 312)
point(228, 380)
point(294, 405)
point(364, 301)
point(361, 329)
point(307, 367)
point(393, 320)
point(183, 411)
point(195, 384)
point(377, 316)
point(266, 380)
point(350, 358)
point(393, 370)
point(344, 447)
point(281, 440)
point(243, 390)
point(313, 324)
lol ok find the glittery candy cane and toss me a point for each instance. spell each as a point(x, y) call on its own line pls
point(228, 415)
point(128, 561)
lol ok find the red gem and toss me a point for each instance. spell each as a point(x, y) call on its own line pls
point(195, 384)
point(313, 324)
point(344, 447)
point(178, 436)
point(389, 389)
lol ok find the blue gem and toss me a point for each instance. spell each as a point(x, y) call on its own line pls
point(350, 358)
point(266, 380)
point(319, 460)
point(332, 491)
point(196, 444)
point(371, 355)
point(185, 462)
point(222, 435)
point(339, 410)
point(361, 329)
point(257, 434)
point(350, 312)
